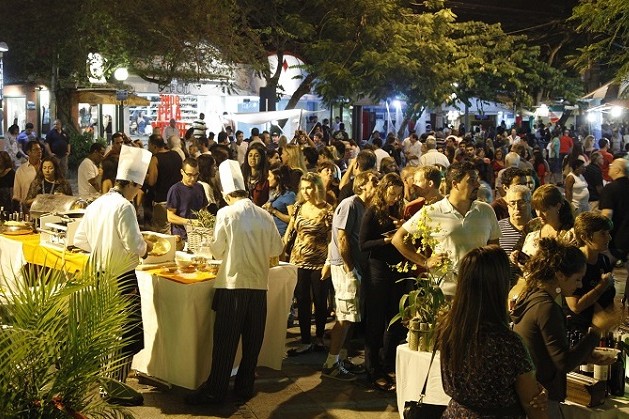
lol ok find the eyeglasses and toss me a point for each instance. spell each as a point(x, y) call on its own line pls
point(190, 174)
point(519, 203)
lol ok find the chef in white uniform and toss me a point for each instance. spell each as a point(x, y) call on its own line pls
point(109, 230)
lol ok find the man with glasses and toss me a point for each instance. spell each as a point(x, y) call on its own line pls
point(89, 171)
point(58, 144)
point(508, 177)
point(25, 174)
point(518, 200)
point(185, 197)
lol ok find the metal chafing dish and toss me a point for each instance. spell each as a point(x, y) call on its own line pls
point(59, 229)
point(57, 204)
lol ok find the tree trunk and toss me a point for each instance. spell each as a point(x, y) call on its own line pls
point(67, 110)
point(303, 89)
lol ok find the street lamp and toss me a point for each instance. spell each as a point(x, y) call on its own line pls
point(121, 74)
point(3, 48)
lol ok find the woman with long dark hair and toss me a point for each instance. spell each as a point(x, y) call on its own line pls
point(49, 180)
point(209, 181)
point(485, 367)
point(255, 171)
point(110, 167)
point(382, 289)
point(597, 292)
point(555, 270)
point(281, 198)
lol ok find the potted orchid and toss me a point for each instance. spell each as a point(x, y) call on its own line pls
point(420, 309)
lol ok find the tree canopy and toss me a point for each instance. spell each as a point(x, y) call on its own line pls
point(607, 23)
point(372, 48)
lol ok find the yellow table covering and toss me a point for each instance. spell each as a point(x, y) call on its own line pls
point(49, 256)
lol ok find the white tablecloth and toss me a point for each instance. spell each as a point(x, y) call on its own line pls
point(410, 370)
point(11, 262)
point(178, 324)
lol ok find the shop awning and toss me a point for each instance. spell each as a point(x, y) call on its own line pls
point(108, 97)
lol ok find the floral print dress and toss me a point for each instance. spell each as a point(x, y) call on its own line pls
point(504, 357)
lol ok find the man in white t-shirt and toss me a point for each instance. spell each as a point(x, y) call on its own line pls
point(459, 222)
point(379, 152)
point(89, 173)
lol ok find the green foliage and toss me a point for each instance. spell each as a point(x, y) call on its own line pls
point(607, 24)
point(81, 144)
point(427, 300)
point(58, 341)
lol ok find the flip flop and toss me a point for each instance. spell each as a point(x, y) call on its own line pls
point(299, 351)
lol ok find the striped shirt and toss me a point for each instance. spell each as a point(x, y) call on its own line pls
point(510, 235)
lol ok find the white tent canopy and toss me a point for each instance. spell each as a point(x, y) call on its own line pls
point(258, 118)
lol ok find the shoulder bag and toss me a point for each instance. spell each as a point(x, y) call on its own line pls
point(420, 410)
point(292, 235)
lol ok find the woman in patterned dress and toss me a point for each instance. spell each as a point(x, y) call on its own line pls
point(49, 180)
point(485, 367)
point(312, 219)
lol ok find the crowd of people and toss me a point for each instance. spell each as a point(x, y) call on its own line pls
point(543, 213)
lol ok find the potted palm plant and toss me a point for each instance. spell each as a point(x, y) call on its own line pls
point(59, 342)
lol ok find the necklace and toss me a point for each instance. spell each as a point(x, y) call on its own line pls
point(43, 187)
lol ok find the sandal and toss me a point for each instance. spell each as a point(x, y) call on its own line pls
point(299, 351)
point(383, 384)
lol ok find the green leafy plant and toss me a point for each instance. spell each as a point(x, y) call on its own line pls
point(81, 144)
point(205, 219)
point(59, 341)
point(426, 302)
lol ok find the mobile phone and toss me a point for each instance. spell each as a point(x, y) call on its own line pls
point(389, 233)
point(522, 257)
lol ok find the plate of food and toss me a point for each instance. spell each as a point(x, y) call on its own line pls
point(161, 246)
point(17, 227)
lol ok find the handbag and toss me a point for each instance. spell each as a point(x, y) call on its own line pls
point(420, 410)
point(292, 235)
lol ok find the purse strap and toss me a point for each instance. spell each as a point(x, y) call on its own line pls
point(432, 358)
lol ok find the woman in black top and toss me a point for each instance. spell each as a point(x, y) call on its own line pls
point(597, 290)
point(555, 270)
point(382, 291)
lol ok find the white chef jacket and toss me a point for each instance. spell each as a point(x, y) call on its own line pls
point(109, 230)
point(245, 238)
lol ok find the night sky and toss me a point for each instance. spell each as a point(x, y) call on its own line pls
point(513, 14)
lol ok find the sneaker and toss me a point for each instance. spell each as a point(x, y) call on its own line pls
point(338, 372)
point(355, 369)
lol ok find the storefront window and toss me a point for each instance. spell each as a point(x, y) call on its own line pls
point(15, 111)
